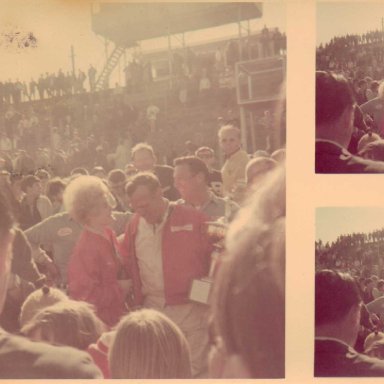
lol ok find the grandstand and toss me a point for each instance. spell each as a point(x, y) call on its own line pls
point(172, 79)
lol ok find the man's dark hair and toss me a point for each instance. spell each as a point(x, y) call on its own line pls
point(28, 181)
point(54, 186)
point(146, 179)
point(333, 95)
point(195, 165)
point(116, 176)
point(335, 294)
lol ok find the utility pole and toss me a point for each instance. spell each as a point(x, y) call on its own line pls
point(72, 56)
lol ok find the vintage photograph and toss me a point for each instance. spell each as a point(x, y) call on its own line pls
point(349, 87)
point(349, 292)
point(142, 189)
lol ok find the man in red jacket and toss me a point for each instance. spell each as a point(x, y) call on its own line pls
point(165, 248)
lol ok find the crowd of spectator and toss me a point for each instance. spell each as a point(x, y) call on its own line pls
point(98, 281)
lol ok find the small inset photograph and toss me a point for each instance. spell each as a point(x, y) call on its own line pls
point(349, 292)
point(349, 88)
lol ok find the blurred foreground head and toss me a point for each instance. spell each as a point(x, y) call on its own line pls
point(249, 291)
point(148, 345)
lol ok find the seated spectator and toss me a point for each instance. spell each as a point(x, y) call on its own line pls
point(248, 296)
point(71, 323)
point(95, 266)
point(148, 345)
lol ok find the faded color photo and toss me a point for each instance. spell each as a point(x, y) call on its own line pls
point(349, 292)
point(349, 88)
point(142, 190)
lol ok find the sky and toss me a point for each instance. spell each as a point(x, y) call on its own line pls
point(58, 24)
point(341, 18)
point(334, 221)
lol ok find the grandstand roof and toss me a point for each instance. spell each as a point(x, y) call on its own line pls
point(128, 23)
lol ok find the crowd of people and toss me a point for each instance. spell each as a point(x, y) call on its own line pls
point(141, 269)
point(350, 279)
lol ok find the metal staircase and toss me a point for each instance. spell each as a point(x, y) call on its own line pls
point(110, 65)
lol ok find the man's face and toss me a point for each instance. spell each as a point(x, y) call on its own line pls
point(229, 141)
point(143, 160)
point(185, 181)
point(147, 204)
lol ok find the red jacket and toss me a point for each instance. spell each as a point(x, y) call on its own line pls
point(186, 253)
point(92, 275)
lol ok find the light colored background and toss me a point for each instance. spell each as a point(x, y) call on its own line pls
point(305, 190)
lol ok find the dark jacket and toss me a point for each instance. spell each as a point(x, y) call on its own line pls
point(335, 359)
point(24, 359)
point(331, 158)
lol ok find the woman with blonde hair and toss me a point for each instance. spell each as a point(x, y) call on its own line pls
point(95, 265)
point(148, 345)
point(68, 322)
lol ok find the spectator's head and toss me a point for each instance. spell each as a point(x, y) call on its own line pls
point(39, 300)
point(207, 155)
point(31, 185)
point(148, 345)
point(68, 322)
point(229, 139)
point(89, 201)
point(55, 189)
point(380, 285)
point(257, 169)
point(279, 155)
point(334, 108)
point(248, 297)
point(337, 306)
point(375, 88)
point(374, 345)
point(130, 170)
point(191, 177)
point(260, 153)
point(98, 171)
point(116, 182)
point(6, 240)
point(79, 171)
point(43, 176)
point(146, 197)
point(143, 157)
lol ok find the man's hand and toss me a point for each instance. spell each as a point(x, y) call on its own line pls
point(374, 150)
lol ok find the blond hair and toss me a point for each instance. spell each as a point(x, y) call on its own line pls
point(69, 322)
point(148, 345)
point(84, 195)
